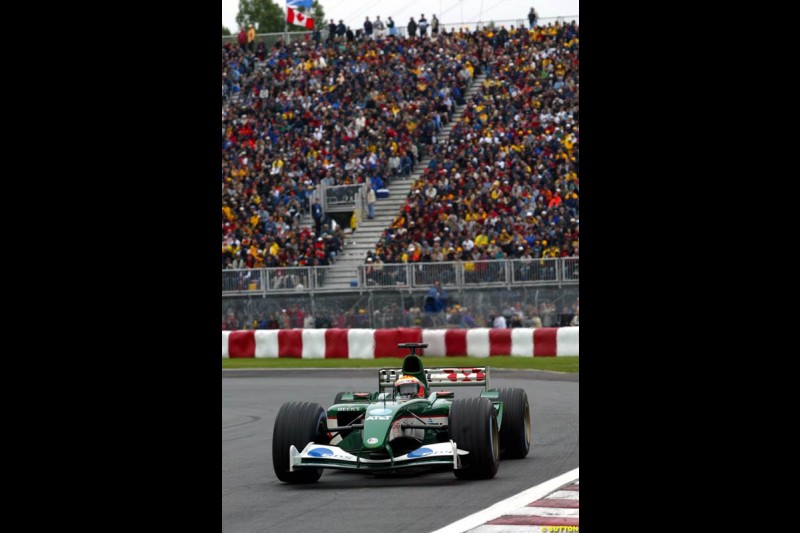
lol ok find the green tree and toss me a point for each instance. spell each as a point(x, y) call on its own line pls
point(265, 15)
point(225, 31)
point(269, 17)
point(318, 14)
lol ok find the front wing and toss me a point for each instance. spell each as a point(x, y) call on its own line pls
point(323, 456)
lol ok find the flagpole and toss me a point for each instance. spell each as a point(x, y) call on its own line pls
point(286, 28)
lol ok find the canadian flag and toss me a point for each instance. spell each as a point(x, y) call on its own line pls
point(297, 18)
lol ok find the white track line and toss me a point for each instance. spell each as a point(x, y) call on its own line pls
point(504, 507)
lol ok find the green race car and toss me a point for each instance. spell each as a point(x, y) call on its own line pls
point(407, 426)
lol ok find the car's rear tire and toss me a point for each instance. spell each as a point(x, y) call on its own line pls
point(473, 427)
point(338, 398)
point(297, 423)
point(515, 430)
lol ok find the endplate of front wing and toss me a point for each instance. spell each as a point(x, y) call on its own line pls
point(323, 456)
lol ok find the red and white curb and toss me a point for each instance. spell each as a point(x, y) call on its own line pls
point(344, 343)
point(549, 507)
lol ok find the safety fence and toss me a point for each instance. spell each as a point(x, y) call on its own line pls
point(562, 271)
point(462, 308)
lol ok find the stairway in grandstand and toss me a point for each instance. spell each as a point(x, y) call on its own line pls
point(367, 234)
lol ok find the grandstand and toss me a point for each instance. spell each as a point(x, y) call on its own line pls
point(471, 140)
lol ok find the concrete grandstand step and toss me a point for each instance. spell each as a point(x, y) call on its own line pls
point(359, 250)
point(342, 276)
point(348, 262)
point(338, 284)
point(367, 230)
point(395, 194)
point(358, 254)
point(398, 198)
point(395, 188)
point(368, 227)
point(361, 246)
point(371, 224)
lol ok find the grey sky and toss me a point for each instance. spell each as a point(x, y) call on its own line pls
point(353, 12)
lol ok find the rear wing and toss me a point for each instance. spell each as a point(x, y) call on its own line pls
point(440, 377)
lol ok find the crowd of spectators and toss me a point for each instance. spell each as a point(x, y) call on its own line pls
point(505, 184)
point(342, 112)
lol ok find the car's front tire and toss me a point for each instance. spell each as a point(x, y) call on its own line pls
point(297, 424)
point(515, 431)
point(473, 427)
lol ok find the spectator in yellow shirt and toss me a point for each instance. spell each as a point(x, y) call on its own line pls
point(251, 38)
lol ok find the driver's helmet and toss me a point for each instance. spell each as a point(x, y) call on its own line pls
point(408, 387)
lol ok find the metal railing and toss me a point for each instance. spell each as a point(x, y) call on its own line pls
point(298, 36)
point(509, 273)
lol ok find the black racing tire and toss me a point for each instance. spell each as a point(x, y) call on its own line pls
point(338, 398)
point(515, 429)
point(297, 423)
point(473, 427)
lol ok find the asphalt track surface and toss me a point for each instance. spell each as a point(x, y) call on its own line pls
point(253, 500)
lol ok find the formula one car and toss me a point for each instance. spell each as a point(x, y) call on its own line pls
point(405, 427)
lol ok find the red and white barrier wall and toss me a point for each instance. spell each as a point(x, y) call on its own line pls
point(373, 343)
